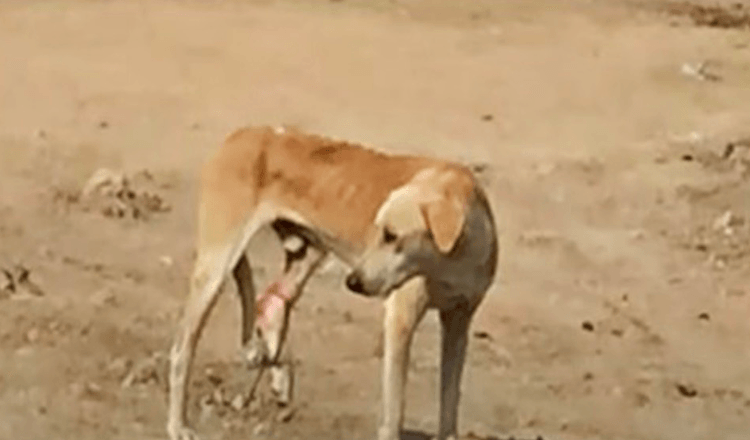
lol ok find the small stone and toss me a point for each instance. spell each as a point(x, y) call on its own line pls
point(144, 372)
point(213, 377)
point(119, 367)
point(103, 297)
point(238, 402)
point(218, 397)
point(32, 335)
point(285, 415)
point(725, 222)
point(93, 388)
point(704, 316)
point(587, 326)
point(7, 283)
point(642, 400)
point(487, 117)
point(54, 326)
point(86, 390)
point(104, 180)
point(481, 334)
point(686, 390)
point(261, 429)
point(206, 408)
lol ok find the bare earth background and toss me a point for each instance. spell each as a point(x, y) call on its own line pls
point(612, 135)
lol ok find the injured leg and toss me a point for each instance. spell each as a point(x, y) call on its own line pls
point(273, 307)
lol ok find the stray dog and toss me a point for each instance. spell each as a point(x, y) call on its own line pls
point(417, 232)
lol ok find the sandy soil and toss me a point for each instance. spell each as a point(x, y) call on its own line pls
point(612, 135)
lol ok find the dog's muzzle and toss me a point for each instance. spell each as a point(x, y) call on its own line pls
point(354, 283)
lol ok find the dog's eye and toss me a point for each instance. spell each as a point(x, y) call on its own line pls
point(389, 236)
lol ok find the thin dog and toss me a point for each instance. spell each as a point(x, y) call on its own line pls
point(417, 232)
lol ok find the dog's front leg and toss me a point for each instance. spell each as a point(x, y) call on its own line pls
point(404, 309)
point(455, 327)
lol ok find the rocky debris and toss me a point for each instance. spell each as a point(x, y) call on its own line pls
point(16, 281)
point(119, 367)
point(726, 222)
point(239, 402)
point(116, 195)
point(686, 390)
point(32, 336)
point(87, 390)
point(735, 16)
point(285, 415)
point(261, 429)
point(722, 155)
point(699, 71)
point(724, 241)
point(103, 297)
point(151, 370)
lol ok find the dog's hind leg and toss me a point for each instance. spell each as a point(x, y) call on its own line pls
point(205, 287)
point(213, 264)
point(243, 276)
point(274, 313)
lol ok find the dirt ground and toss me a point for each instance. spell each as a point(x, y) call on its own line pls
point(613, 137)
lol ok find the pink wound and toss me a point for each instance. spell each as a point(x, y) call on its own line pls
point(270, 303)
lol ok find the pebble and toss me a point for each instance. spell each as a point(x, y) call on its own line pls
point(285, 415)
point(103, 297)
point(213, 377)
point(261, 429)
point(218, 397)
point(119, 367)
point(103, 178)
point(239, 402)
point(206, 408)
point(32, 335)
point(144, 372)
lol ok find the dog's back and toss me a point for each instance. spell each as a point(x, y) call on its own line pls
point(326, 181)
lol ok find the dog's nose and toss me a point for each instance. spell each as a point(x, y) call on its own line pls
point(354, 283)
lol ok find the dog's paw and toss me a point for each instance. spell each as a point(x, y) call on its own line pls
point(281, 384)
point(182, 433)
point(255, 353)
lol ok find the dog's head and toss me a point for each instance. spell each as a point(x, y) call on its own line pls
point(416, 227)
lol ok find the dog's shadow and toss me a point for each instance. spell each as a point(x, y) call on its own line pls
point(415, 435)
point(420, 435)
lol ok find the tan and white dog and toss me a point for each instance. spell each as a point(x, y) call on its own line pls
point(415, 231)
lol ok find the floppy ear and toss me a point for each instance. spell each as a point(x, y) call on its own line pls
point(444, 217)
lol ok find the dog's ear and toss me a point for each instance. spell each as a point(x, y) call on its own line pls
point(444, 218)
